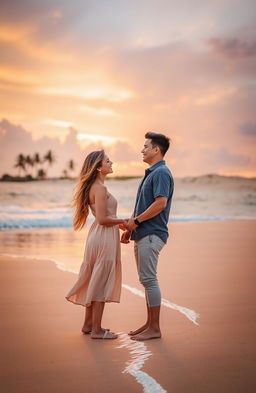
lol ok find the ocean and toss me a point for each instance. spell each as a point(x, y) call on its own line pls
point(36, 217)
point(47, 204)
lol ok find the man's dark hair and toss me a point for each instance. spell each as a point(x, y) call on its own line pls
point(160, 140)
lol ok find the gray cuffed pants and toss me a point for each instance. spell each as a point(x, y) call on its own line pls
point(146, 252)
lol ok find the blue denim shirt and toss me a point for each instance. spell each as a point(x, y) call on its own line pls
point(158, 181)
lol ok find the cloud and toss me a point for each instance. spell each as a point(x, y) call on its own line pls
point(15, 139)
point(119, 24)
point(123, 152)
point(211, 159)
point(10, 133)
point(224, 158)
point(57, 123)
point(105, 112)
point(248, 129)
point(107, 93)
point(219, 95)
point(117, 69)
point(233, 47)
point(87, 139)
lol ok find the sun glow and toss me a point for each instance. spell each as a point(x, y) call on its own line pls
point(87, 139)
point(101, 112)
point(90, 92)
point(58, 123)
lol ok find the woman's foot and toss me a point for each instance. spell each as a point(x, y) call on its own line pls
point(104, 334)
point(141, 329)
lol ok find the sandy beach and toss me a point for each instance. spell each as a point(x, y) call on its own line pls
point(206, 267)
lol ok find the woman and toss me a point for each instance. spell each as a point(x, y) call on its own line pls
point(99, 279)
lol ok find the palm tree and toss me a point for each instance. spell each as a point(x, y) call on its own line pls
point(41, 174)
point(65, 173)
point(20, 163)
point(50, 158)
point(29, 160)
point(37, 160)
point(71, 165)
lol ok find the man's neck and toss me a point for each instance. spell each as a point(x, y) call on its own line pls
point(155, 161)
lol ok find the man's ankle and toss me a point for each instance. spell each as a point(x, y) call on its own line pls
point(154, 327)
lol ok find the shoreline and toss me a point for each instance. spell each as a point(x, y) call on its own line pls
point(188, 178)
point(17, 179)
point(19, 242)
point(172, 221)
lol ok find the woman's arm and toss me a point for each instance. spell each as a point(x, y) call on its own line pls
point(101, 196)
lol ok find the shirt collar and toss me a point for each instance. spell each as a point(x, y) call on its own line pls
point(153, 167)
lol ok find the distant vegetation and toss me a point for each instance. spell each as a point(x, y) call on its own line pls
point(123, 177)
point(35, 167)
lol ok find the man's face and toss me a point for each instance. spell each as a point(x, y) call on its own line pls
point(148, 151)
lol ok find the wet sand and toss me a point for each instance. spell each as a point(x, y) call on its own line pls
point(207, 267)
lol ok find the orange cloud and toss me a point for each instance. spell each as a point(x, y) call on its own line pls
point(107, 93)
point(215, 95)
point(106, 74)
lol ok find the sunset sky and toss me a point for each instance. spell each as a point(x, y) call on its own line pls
point(79, 75)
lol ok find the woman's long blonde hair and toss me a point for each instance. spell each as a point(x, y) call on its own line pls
point(87, 177)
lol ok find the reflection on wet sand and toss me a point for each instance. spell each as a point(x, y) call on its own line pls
point(63, 245)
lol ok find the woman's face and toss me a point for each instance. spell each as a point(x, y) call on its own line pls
point(106, 166)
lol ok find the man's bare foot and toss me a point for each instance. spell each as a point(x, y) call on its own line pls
point(147, 334)
point(104, 334)
point(88, 330)
point(141, 329)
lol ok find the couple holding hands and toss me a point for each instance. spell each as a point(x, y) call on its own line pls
point(99, 279)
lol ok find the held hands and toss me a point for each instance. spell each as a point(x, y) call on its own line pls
point(125, 238)
point(128, 224)
point(123, 226)
point(131, 225)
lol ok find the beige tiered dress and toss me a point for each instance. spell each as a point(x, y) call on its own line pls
point(100, 273)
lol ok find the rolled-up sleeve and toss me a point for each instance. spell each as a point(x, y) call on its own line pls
point(162, 184)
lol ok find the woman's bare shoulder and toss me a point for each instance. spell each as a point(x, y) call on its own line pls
point(99, 190)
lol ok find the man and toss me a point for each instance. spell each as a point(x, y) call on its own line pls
point(148, 228)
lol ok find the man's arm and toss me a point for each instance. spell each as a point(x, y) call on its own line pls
point(153, 210)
